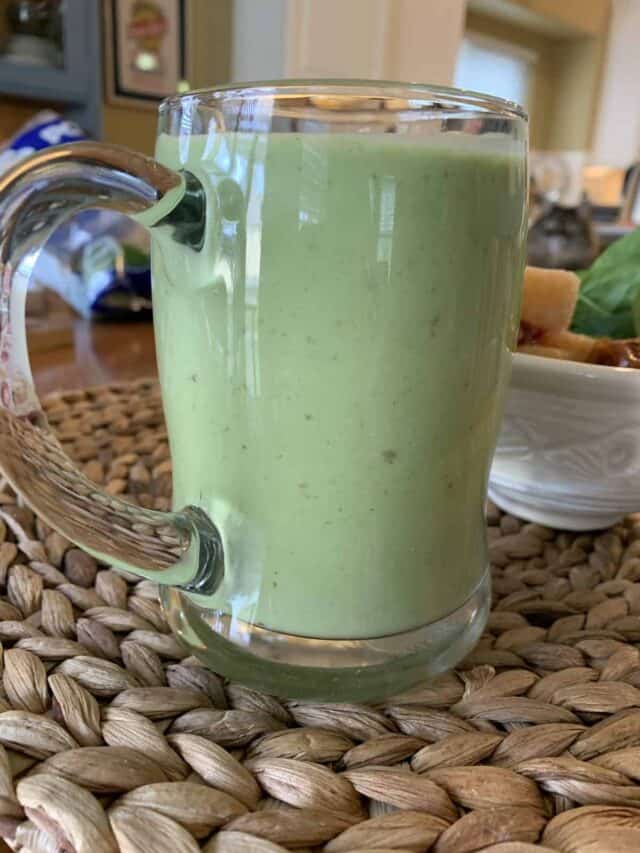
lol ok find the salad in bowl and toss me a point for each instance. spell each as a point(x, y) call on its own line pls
point(568, 455)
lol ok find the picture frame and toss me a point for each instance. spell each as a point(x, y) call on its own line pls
point(145, 50)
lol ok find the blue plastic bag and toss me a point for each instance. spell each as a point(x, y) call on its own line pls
point(98, 261)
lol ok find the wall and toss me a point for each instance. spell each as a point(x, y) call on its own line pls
point(578, 66)
point(586, 16)
point(258, 39)
point(130, 126)
point(566, 77)
point(617, 135)
point(336, 39)
point(550, 17)
point(423, 39)
point(541, 97)
point(393, 39)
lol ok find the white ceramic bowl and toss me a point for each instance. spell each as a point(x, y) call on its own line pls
point(568, 454)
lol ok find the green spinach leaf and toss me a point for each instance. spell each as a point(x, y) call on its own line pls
point(609, 291)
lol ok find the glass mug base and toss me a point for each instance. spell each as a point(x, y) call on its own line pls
point(329, 670)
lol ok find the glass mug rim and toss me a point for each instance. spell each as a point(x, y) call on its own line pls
point(468, 101)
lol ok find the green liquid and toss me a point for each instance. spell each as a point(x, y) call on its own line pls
point(333, 363)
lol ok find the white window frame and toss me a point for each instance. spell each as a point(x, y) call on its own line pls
point(527, 54)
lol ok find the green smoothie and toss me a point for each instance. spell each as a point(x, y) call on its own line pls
point(333, 362)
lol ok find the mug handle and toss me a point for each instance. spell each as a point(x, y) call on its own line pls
point(178, 548)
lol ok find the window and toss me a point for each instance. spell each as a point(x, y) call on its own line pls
point(495, 67)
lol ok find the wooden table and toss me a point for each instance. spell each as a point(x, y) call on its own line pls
point(103, 352)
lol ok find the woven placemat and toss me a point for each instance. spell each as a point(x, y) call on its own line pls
point(114, 739)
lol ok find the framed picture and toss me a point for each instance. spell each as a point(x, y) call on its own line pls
point(144, 50)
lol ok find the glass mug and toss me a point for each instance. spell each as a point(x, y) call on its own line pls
point(336, 274)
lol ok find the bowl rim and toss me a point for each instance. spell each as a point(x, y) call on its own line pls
point(560, 376)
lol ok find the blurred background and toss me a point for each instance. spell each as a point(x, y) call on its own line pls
point(98, 68)
point(573, 64)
